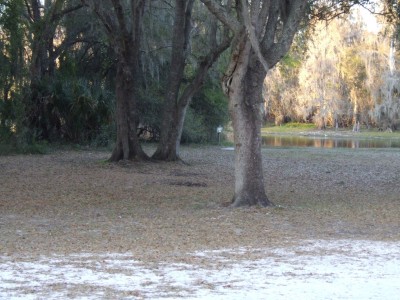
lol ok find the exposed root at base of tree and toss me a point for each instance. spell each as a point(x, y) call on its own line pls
point(245, 201)
point(178, 159)
point(134, 158)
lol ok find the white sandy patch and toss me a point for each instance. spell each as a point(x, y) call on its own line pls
point(313, 270)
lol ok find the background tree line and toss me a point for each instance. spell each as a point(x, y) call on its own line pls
point(342, 74)
point(59, 73)
point(63, 69)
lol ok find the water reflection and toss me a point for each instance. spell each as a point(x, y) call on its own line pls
point(325, 142)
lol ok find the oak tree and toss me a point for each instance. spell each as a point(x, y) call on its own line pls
point(123, 21)
point(263, 33)
point(178, 95)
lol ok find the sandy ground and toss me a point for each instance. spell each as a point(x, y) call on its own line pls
point(314, 270)
point(138, 229)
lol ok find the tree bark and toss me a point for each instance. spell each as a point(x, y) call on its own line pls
point(245, 103)
point(127, 47)
point(123, 24)
point(174, 112)
point(127, 145)
point(171, 132)
point(263, 31)
point(176, 104)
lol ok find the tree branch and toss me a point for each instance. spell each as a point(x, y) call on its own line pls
point(293, 17)
point(271, 17)
point(137, 7)
point(205, 64)
point(222, 15)
point(252, 34)
point(107, 21)
point(66, 11)
point(28, 9)
point(119, 12)
point(262, 17)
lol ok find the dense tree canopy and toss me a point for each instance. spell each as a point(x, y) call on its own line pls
point(60, 63)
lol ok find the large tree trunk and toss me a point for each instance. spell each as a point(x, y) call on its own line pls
point(245, 104)
point(123, 24)
point(263, 32)
point(176, 103)
point(171, 132)
point(127, 85)
point(127, 145)
point(174, 110)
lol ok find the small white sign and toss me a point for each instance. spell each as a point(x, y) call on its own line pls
point(219, 129)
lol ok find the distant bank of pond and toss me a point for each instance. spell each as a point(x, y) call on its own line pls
point(328, 142)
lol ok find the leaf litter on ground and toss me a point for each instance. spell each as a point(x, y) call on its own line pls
point(59, 209)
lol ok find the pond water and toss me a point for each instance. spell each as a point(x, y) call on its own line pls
point(328, 142)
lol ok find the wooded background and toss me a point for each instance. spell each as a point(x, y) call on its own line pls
point(59, 68)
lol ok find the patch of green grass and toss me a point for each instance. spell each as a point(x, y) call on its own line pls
point(289, 127)
point(378, 134)
point(296, 128)
point(226, 143)
point(299, 125)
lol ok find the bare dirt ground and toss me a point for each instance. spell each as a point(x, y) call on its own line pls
point(74, 202)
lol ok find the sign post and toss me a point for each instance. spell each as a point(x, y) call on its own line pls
point(219, 131)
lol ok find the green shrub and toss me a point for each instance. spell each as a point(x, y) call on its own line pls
point(70, 110)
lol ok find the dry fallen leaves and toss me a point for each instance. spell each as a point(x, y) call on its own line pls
point(73, 201)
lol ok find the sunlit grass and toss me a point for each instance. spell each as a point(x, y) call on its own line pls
point(307, 128)
point(378, 134)
point(288, 127)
